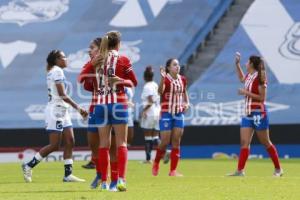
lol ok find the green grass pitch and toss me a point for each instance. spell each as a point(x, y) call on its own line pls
point(203, 179)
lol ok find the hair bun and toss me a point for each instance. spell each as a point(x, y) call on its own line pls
point(149, 68)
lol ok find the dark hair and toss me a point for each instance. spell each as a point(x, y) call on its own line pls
point(51, 58)
point(97, 41)
point(168, 64)
point(148, 73)
point(257, 64)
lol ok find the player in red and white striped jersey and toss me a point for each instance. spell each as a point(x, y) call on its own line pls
point(113, 72)
point(174, 103)
point(256, 116)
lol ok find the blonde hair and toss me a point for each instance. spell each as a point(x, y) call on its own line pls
point(110, 41)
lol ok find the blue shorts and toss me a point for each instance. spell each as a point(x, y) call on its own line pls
point(168, 121)
point(255, 120)
point(92, 128)
point(114, 113)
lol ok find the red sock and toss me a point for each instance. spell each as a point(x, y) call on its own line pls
point(122, 161)
point(114, 174)
point(103, 161)
point(274, 156)
point(175, 155)
point(159, 154)
point(95, 160)
point(244, 153)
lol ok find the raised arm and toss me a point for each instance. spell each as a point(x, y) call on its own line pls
point(161, 86)
point(239, 70)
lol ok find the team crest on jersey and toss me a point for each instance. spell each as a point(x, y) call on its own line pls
point(78, 59)
point(31, 11)
point(291, 46)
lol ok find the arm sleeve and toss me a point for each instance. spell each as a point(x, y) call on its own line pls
point(86, 77)
point(129, 78)
point(86, 70)
point(58, 75)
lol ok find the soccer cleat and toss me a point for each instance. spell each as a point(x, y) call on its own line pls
point(121, 185)
point(155, 169)
point(113, 186)
point(89, 165)
point(72, 178)
point(278, 173)
point(104, 186)
point(237, 173)
point(175, 173)
point(96, 182)
point(27, 173)
point(166, 158)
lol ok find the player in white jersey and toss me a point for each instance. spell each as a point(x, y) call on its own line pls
point(150, 113)
point(58, 121)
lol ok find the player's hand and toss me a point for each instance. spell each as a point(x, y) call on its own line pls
point(242, 91)
point(163, 72)
point(114, 79)
point(83, 113)
point(237, 58)
point(97, 61)
point(186, 107)
point(130, 104)
point(144, 114)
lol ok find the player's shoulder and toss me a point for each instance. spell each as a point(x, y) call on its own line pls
point(150, 84)
point(124, 60)
point(182, 77)
point(57, 69)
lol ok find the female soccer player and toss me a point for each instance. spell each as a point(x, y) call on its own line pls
point(58, 121)
point(113, 74)
point(88, 79)
point(174, 103)
point(256, 116)
point(150, 113)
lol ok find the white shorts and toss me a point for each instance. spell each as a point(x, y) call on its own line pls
point(130, 117)
point(150, 122)
point(57, 118)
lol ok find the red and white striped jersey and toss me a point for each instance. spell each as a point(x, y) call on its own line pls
point(119, 66)
point(172, 100)
point(252, 85)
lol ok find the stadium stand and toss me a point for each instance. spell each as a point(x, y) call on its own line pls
point(152, 31)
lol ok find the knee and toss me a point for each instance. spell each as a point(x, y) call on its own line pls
point(54, 146)
point(163, 145)
point(267, 143)
point(70, 143)
point(245, 144)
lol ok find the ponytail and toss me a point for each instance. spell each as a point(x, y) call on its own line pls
point(103, 50)
point(110, 41)
point(259, 66)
